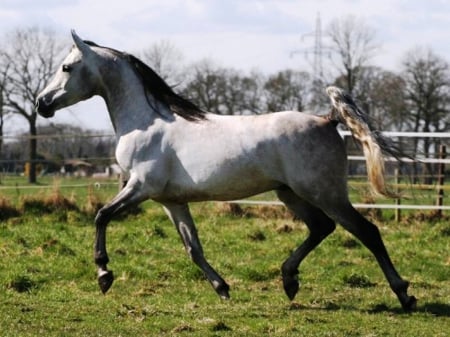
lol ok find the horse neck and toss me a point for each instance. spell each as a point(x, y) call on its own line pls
point(126, 100)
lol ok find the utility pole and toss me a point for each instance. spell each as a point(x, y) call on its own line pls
point(317, 51)
point(318, 69)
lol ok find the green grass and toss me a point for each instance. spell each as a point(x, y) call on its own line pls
point(48, 285)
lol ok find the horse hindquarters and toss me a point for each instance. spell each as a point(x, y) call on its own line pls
point(320, 218)
point(319, 178)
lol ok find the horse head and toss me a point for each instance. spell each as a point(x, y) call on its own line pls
point(74, 80)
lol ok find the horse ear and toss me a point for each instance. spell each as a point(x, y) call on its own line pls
point(81, 45)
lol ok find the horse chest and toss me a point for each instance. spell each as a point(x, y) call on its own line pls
point(139, 149)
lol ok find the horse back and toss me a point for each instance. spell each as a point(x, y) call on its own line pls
point(228, 157)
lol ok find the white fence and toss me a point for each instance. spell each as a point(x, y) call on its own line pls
point(395, 205)
point(396, 202)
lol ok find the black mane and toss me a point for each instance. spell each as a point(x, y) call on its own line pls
point(158, 88)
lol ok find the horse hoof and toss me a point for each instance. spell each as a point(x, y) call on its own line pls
point(105, 281)
point(410, 304)
point(291, 287)
point(223, 291)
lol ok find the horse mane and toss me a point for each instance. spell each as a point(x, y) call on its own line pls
point(159, 88)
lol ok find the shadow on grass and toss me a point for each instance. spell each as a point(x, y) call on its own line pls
point(331, 306)
point(434, 308)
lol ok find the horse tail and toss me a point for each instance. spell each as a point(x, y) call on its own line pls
point(373, 142)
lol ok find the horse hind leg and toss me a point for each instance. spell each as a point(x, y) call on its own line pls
point(181, 217)
point(319, 225)
point(370, 236)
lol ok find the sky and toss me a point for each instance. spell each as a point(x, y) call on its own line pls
point(264, 35)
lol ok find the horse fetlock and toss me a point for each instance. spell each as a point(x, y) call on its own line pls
point(409, 303)
point(101, 258)
point(222, 289)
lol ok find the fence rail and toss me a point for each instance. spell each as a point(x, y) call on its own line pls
point(440, 188)
point(356, 205)
point(407, 134)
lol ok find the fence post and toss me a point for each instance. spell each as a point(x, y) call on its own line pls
point(398, 201)
point(440, 180)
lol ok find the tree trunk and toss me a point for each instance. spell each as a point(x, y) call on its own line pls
point(1, 119)
point(1, 134)
point(32, 152)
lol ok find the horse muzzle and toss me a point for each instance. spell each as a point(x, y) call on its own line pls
point(44, 107)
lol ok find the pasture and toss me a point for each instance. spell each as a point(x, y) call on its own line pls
point(48, 284)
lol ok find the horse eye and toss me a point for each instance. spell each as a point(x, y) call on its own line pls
point(66, 68)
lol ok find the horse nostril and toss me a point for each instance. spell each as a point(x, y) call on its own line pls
point(40, 104)
point(36, 105)
point(44, 106)
point(47, 100)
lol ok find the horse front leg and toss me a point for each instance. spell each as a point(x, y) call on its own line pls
point(105, 277)
point(130, 195)
point(181, 217)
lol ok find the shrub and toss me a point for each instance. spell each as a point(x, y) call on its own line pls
point(47, 205)
point(7, 210)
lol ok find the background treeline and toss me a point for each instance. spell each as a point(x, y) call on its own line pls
point(415, 97)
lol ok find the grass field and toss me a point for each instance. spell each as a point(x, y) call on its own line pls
point(48, 285)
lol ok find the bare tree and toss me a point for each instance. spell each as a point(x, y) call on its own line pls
point(353, 44)
point(287, 90)
point(388, 100)
point(206, 86)
point(427, 78)
point(242, 93)
point(225, 91)
point(381, 94)
point(253, 88)
point(31, 55)
point(164, 58)
point(3, 113)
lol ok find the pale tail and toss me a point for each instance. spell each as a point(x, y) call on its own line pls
point(374, 144)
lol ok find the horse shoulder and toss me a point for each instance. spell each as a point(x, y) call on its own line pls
point(138, 146)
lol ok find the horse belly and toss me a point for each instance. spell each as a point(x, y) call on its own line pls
point(223, 184)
